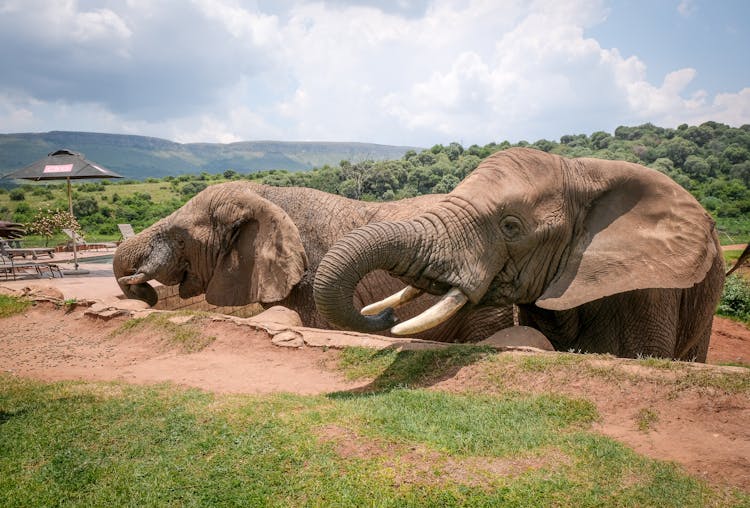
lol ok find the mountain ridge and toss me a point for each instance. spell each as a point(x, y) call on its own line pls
point(139, 157)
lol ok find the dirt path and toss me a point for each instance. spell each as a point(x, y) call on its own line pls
point(708, 434)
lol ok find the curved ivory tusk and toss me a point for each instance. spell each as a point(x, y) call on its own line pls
point(448, 305)
point(407, 294)
point(137, 278)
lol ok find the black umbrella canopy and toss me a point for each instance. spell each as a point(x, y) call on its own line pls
point(63, 165)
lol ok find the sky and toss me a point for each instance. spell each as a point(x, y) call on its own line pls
point(397, 72)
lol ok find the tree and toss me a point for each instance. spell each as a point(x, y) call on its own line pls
point(83, 207)
point(600, 140)
point(48, 222)
point(697, 168)
point(454, 151)
point(192, 188)
point(678, 149)
point(446, 184)
point(735, 153)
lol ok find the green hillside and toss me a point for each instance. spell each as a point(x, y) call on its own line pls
point(712, 161)
point(140, 157)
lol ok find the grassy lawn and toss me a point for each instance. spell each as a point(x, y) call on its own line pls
point(395, 444)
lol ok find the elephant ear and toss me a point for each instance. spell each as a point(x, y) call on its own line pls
point(261, 256)
point(641, 230)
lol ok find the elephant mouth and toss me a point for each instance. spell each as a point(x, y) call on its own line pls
point(448, 305)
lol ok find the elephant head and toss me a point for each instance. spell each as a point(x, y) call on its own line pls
point(227, 242)
point(526, 227)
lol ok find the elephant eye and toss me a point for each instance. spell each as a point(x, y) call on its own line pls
point(511, 228)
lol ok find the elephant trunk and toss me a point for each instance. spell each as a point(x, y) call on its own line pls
point(400, 248)
point(136, 261)
point(372, 247)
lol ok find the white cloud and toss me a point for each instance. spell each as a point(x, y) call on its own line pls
point(686, 7)
point(99, 24)
point(223, 70)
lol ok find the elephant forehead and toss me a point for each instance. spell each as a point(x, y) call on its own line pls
point(490, 193)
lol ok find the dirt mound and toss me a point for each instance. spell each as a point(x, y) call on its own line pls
point(704, 429)
point(236, 359)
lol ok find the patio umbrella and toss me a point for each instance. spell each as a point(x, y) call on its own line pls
point(64, 165)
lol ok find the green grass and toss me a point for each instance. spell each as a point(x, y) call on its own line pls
point(187, 337)
point(395, 443)
point(85, 444)
point(731, 257)
point(393, 369)
point(646, 419)
point(10, 305)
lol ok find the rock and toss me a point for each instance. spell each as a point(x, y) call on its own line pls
point(180, 320)
point(40, 292)
point(288, 339)
point(105, 313)
point(518, 336)
point(127, 303)
point(278, 315)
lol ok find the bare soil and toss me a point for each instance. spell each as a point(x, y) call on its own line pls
point(706, 431)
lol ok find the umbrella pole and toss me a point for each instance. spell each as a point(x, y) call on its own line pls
point(70, 209)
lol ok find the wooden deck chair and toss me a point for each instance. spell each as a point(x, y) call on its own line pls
point(10, 268)
point(8, 250)
point(80, 242)
point(126, 231)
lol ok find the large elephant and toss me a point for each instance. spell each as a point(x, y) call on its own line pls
point(242, 243)
point(600, 256)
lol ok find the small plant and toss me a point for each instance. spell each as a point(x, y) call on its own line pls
point(10, 305)
point(735, 300)
point(646, 418)
point(70, 304)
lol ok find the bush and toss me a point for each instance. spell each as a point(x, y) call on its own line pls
point(192, 188)
point(735, 300)
point(17, 195)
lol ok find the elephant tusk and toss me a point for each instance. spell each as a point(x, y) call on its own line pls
point(448, 305)
point(138, 278)
point(407, 294)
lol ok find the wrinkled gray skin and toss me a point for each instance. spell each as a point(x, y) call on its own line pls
point(242, 243)
point(600, 256)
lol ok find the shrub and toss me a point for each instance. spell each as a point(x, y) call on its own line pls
point(17, 195)
point(735, 300)
point(46, 223)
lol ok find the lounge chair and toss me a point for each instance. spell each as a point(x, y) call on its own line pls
point(11, 268)
point(80, 242)
point(14, 249)
point(126, 231)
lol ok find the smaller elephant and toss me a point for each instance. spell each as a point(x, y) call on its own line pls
point(242, 243)
point(600, 256)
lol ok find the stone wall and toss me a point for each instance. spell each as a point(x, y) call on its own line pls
point(169, 299)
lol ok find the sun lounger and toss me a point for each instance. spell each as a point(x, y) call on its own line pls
point(11, 268)
point(80, 242)
point(126, 231)
point(34, 252)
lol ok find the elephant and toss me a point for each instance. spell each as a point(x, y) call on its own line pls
point(241, 242)
point(600, 256)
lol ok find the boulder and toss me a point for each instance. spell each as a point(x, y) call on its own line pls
point(278, 315)
point(518, 336)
